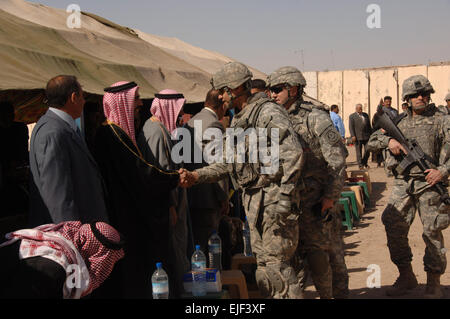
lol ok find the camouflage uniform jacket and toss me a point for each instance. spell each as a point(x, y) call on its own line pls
point(285, 179)
point(444, 109)
point(324, 151)
point(431, 130)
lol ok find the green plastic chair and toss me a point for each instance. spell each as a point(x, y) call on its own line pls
point(347, 221)
point(365, 191)
point(351, 195)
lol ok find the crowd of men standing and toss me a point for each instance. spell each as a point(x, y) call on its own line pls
point(129, 180)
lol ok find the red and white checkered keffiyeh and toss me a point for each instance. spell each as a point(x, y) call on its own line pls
point(70, 244)
point(167, 111)
point(119, 108)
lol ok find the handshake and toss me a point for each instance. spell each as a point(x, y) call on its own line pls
point(187, 178)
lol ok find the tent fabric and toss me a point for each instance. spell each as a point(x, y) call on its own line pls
point(36, 44)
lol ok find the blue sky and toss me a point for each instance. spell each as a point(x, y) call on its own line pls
point(333, 35)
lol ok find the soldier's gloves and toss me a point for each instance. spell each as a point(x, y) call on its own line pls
point(325, 216)
point(284, 204)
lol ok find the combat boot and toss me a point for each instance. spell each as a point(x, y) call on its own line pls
point(405, 281)
point(433, 289)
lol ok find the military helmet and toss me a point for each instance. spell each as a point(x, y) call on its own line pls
point(231, 75)
point(447, 97)
point(415, 84)
point(288, 75)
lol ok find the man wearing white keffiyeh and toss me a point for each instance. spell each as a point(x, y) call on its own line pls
point(39, 262)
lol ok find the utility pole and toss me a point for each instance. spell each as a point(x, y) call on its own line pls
point(302, 59)
point(332, 59)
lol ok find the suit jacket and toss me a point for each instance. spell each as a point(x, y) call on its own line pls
point(66, 184)
point(206, 196)
point(393, 113)
point(359, 128)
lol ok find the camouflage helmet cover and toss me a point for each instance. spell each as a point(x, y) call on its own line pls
point(415, 84)
point(286, 74)
point(447, 97)
point(232, 75)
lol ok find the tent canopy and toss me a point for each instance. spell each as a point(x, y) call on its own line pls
point(36, 45)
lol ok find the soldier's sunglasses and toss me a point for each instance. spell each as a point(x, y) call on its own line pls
point(225, 89)
point(422, 94)
point(277, 89)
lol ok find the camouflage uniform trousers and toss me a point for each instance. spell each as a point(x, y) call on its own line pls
point(321, 246)
point(274, 239)
point(398, 217)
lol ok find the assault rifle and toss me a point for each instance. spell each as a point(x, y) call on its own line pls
point(415, 153)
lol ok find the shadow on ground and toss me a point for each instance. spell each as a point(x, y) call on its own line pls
point(380, 293)
point(366, 219)
point(377, 193)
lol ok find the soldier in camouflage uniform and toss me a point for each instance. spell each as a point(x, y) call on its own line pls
point(413, 189)
point(268, 199)
point(445, 108)
point(323, 176)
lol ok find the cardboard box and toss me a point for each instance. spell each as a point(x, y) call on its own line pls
point(213, 281)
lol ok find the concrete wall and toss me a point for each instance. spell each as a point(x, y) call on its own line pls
point(439, 77)
point(356, 91)
point(330, 88)
point(382, 83)
point(311, 84)
point(350, 87)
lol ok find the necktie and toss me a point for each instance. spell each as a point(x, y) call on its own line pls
point(79, 132)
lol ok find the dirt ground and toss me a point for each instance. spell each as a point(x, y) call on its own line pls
point(366, 244)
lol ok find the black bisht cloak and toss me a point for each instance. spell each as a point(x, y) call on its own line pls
point(138, 207)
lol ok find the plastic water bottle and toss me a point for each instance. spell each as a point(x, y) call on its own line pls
point(215, 251)
point(198, 262)
point(246, 237)
point(160, 283)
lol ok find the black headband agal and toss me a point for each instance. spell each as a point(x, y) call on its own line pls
point(169, 96)
point(123, 87)
point(105, 241)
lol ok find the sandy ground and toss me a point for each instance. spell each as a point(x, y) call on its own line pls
point(365, 245)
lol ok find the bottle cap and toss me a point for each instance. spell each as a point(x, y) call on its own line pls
point(158, 265)
point(197, 247)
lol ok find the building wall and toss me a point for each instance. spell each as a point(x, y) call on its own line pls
point(382, 83)
point(439, 77)
point(311, 84)
point(356, 91)
point(330, 87)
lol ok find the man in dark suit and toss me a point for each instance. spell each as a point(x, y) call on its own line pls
point(66, 184)
point(360, 131)
point(207, 202)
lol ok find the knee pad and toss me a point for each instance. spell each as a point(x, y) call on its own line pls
point(318, 262)
point(294, 283)
point(269, 281)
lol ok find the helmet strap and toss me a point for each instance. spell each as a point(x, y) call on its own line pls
point(290, 98)
point(232, 98)
point(420, 108)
